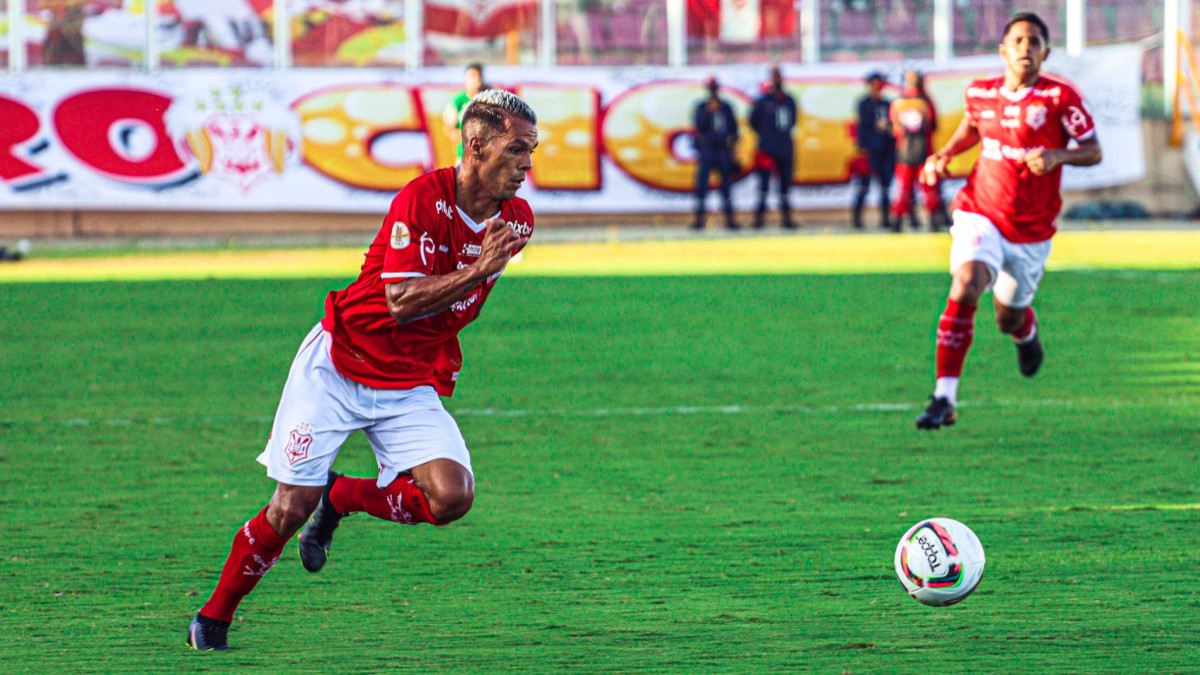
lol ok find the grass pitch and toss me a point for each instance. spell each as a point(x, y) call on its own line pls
point(682, 474)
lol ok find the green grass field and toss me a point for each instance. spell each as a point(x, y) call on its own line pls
point(683, 474)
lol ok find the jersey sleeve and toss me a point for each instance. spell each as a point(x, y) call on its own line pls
point(1074, 116)
point(410, 250)
point(970, 109)
point(522, 222)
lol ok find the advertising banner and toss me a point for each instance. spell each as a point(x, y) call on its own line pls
point(345, 140)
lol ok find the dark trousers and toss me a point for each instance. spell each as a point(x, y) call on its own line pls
point(882, 170)
point(782, 171)
point(722, 161)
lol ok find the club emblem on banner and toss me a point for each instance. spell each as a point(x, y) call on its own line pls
point(236, 137)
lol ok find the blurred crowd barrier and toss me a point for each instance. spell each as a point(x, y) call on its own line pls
point(345, 140)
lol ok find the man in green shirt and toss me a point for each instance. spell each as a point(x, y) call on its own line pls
point(452, 116)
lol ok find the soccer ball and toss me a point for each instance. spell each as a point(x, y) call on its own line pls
point(939, 561)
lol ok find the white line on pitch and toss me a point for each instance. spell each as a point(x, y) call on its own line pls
point(663, 411)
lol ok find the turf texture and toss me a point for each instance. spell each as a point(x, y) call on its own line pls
point(675, 474)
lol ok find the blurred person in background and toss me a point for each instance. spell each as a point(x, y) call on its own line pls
point(715, 136)
point(452, 115)
point(876, 141)
point(913, 123)
point(227, 25)
point(63, 45)
point(773, 117)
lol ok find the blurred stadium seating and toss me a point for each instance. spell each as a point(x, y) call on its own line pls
point(587, 32)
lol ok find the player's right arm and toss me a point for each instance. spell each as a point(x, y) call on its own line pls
point(413, 298)
point(965, 137)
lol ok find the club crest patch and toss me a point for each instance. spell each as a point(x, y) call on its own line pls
point(299, 442)
point(400, 235)
point(1035, 116)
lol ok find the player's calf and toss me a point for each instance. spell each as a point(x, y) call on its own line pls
point(317, 538)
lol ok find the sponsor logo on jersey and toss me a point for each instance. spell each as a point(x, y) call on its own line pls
point(1035, 116)
point(427, 247)
point(466, 303)
point(472, 250)
point(400, 235)
point(522, 229)
point(443, 208)
point(993, 149)
point(299, 441)
point(442, 248)
point(1075, 121)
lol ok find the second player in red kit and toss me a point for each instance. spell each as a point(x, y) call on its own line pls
point(385, 352)
point(1028, 127)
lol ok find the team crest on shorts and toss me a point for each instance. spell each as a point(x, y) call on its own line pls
point(298, 443)
point(400, 235)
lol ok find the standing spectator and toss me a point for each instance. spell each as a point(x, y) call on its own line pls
point(452, 115)
point(876, 140)
point(773, 118)
point(715, 137)
point(63, 45)
point(912, 122)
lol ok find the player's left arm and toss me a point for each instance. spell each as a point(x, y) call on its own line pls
point(1042, 161)
point(1079, 127)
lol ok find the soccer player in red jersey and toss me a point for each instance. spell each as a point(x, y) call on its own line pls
point(378, 361)
point(1029, 126)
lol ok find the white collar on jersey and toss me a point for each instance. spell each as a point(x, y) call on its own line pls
point(1015, 96)
point(475, 227)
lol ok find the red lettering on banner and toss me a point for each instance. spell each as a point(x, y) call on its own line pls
point(20, 126)
point(121, 133)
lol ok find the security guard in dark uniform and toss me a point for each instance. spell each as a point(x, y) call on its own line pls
point(773, 117)
point(875, 138)
point(715, 138)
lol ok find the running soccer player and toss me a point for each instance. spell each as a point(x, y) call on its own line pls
point(378, 361)
point(1029, 125)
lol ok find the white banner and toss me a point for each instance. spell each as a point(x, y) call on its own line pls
point(612, 140)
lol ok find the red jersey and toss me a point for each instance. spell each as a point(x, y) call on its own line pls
point(424, 234)
point(1047, 115)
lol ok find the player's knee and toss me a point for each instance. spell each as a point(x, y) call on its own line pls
point(448, 503)
point(288, 515)
point(970, 282)
point(1009, 322)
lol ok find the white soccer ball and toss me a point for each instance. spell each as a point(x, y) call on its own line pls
point(939, 561)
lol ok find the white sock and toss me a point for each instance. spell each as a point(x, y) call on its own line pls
point(947, 388)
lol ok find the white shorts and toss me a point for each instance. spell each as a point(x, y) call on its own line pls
point(1017, 269)
point(320, 409)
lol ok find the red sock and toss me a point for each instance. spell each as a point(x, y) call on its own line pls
point(956, 329)
point(1028, 328)
point(400, 502)
point(256, 547)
